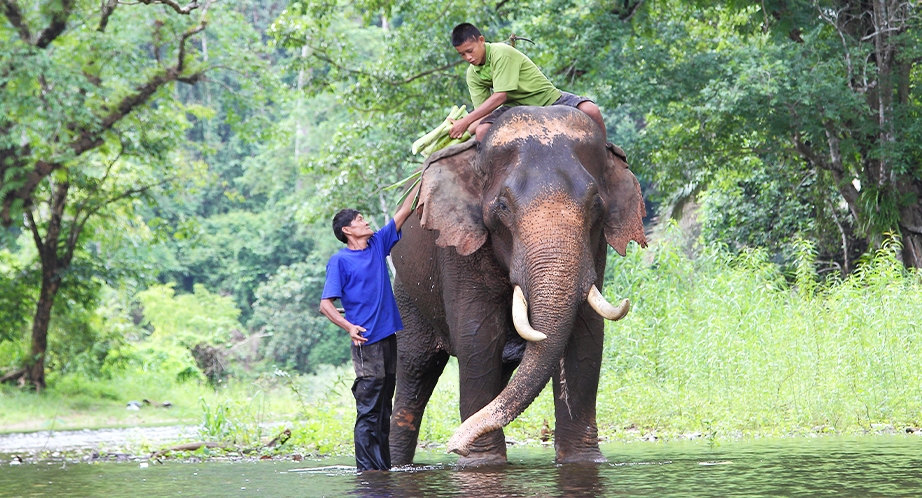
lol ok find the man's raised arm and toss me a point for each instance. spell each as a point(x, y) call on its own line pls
point(406, 208)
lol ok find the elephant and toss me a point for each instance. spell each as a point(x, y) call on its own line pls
point(502, 268)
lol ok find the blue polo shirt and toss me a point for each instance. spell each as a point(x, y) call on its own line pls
point(361, 281)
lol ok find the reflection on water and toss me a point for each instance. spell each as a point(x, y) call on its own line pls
point(509, 480)
point(868, 466)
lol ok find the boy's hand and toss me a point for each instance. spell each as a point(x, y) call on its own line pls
point(355, 332)
point(458, 127)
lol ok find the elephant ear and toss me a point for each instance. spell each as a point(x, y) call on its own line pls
point(449, 198)
point(623, 201)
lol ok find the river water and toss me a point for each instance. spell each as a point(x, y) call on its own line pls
point(841, 466)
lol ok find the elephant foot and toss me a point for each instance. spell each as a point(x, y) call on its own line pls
point(476, 459)
point(584, 456)
point(401, 460)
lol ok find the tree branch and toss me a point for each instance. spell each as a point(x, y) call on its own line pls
point(58, 202)
point(72, 237)
point(24, 192)
point(57, 25)
point(631, 10)
point(848, 57)
point(175, 5)
point(91, 138)
point(848, 191)
point(181, 59)
point(434, 70)
point(77, 229)
point(14, 15)
point(322, 55)
point(36, 237)
point(107, 9)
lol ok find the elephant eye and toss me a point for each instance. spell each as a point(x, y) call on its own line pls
point(501, 205)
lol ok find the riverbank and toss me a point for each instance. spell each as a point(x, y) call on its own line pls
point(183, 443)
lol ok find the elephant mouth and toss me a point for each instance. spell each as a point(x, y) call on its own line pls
point(596, 300)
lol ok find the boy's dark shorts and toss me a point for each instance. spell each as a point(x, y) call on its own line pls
point(566, 98)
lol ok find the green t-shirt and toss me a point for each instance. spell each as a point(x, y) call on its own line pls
point(505, 69)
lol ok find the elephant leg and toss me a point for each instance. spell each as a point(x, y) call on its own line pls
point(420, 362)
point(576, 383)
point(482, 375)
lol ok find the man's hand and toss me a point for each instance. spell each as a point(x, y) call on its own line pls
point(355, 332)
point(483, 110)
point(458, 127)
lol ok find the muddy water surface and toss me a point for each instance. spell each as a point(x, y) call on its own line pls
point(866, 466)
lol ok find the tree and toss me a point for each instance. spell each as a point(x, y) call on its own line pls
point(822, 93)
point(94, 86)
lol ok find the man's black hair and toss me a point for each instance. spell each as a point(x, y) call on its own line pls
point(464, 32)
point(343, 219)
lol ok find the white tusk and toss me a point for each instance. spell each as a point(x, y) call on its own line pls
point(520, 317)
point(604, 308)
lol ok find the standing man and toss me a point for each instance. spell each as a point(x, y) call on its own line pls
point(500, 77)
point(358, 276)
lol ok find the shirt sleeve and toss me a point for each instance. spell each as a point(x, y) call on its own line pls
point(388, 236)
point(506, 71)
point(333, 287)
point(480, 92)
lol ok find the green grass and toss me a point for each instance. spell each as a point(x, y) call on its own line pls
point(727, 346)
point(75, 402)
point(715, 345)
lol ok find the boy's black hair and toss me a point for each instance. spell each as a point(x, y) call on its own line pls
point(464, 32)
point(343, 219)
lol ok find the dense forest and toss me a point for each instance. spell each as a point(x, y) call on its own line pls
point(168, 168)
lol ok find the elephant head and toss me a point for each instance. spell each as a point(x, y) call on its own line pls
point(543, 192)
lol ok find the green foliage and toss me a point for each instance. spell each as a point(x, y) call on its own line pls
point(190, 335)
point(286, 310)
point(326, 416)
point(188, 319)
point(235, 421)
point(17, 297)
point(755, 209)
point(235, 252)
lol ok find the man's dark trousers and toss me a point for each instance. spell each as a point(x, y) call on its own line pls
point(376, 377)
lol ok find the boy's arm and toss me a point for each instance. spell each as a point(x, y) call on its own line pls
point(406, 208)
point(329, 310)
point(488, 106)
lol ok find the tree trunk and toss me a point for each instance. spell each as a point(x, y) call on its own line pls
point(52, 265)
point(911, 224)
point(36, 370)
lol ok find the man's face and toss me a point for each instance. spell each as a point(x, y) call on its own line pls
point(473, 51)
point(358, 228)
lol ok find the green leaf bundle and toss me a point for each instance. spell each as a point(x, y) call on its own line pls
point(438, 138)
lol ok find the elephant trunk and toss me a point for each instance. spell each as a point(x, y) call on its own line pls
point(553, 302)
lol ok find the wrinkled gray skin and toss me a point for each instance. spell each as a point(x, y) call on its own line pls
point(532, 205)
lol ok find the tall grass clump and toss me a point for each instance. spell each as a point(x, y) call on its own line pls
point(725, 344)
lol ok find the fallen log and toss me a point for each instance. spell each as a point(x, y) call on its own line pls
point(17, 377)
point(190, 447)
point(276, 441)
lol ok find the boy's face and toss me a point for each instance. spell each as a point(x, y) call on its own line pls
point(474, 51)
